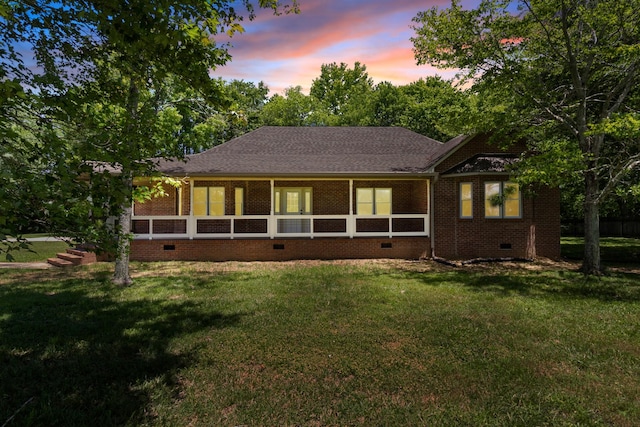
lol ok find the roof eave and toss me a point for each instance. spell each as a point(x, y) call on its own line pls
point(311, 174)
point(463, 174)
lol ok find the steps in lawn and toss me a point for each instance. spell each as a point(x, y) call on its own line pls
point(72, 257)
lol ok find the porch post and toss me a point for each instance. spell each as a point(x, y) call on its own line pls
point(272, 213)
point(191, 224)
point(351, 222)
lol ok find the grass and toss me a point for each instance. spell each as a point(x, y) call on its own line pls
point(330, 344)
point(613, 250)
point(34, 252)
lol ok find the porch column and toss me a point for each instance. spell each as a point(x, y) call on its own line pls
point(351, 222)
point(191, 223)
point(273, 226)
point(427, 225)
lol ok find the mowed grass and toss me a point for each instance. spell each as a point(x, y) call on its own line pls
point(33, 251)
point(613, 250)
point(330, 344)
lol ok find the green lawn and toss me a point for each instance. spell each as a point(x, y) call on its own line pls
point(612, 249)
point(34, 252)
point(333, 344)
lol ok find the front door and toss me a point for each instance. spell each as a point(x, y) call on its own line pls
point(291, 202)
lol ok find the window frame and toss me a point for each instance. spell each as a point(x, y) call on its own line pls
point(239, 201)
point(209, 203)
point(375, 205)
point(305, 200)
point(462, 200)
point(501, 211)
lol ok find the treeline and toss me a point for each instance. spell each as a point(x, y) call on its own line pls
point(339, 96)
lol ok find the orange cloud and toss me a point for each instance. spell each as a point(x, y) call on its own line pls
point(289, 50)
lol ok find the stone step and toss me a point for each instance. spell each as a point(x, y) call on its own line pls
point(58, 262)
point(73, 256)
point(87, 257)
point(74, 259)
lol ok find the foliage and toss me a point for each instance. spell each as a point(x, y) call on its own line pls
point(342, 89)
point(295, 109)
point(435, 108)
point(345, 97)
point(116, 81)
point(399, 344)
point(561, 74)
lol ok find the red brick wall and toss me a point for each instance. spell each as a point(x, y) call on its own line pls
point(407, 196)
point(268, 250)
point(167, 205)
point(537, 233)
point(329, 197)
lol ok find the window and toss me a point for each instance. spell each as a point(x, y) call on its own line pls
point(373, 201)
point(502, 200)
point(466, 200)
point(208, 201)
point(292, 201)
point(239, 201)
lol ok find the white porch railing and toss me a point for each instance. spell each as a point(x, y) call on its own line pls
point(279, 226)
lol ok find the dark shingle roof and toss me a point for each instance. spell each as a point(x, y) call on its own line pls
point(484, 163)
point(314, 151)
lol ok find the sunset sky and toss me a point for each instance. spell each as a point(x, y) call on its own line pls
point(288, 50)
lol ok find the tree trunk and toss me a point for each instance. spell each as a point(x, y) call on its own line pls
point(121, 274)
point(591, 262)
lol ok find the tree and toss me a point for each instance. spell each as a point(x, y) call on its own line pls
point(562, 74)
point(342, 90)
point(435, 108)
point(295, 109)
point(104, 66)
point(385, 105)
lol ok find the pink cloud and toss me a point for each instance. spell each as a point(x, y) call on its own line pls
point(289, 50)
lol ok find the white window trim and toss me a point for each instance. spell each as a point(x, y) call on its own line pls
point(279, 201)
point(374, 203)
point(208, 200)
point(238, 207)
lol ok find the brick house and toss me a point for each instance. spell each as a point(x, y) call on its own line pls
point(281, 193)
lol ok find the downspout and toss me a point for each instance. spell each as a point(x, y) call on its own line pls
point(432, 215)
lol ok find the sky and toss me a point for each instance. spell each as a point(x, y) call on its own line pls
point(289, 50)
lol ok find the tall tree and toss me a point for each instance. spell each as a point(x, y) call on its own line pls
point(103, 65)
point(435, 108)
point(560, 73)
point(295, 109)
point(342, 89)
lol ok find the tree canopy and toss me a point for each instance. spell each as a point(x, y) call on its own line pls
point(106, 77)
point(562, 74)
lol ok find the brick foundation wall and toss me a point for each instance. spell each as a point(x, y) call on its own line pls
point(279, 249)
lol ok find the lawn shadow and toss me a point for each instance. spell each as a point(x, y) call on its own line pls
point(77, 356)
point(623, 287)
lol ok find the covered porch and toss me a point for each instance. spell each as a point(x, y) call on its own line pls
point(285, 208)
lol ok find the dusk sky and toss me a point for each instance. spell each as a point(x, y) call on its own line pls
point(288, 50)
